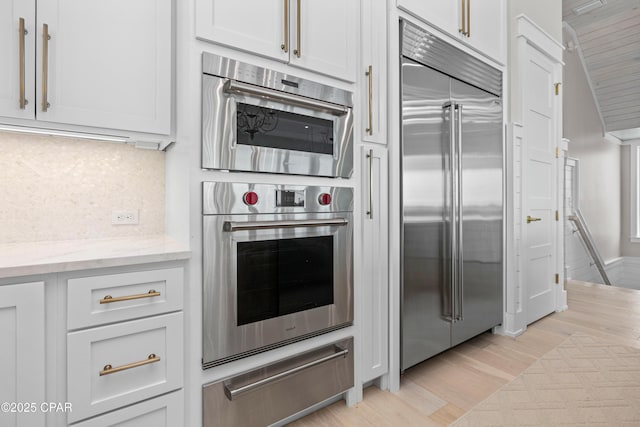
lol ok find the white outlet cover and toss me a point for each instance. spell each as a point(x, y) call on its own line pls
point(124, 217)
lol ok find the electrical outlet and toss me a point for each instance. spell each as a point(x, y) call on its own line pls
point(124, 217)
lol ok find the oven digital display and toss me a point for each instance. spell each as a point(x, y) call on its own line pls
point(287, 198)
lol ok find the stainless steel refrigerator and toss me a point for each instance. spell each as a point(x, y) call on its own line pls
point(452, 196)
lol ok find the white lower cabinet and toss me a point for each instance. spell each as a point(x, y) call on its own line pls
point(22, 358)
point(375, 272)
point(163, 411)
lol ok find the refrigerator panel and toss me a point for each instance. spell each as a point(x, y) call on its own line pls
point(481, 211)
point(426, 303)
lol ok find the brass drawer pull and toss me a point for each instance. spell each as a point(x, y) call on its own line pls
point(532, 219)
point(109, 299)
point(298, 50)
point(108, 369)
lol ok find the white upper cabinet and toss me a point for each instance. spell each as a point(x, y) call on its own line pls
point(17, 50)
point(317, 36)
point(374, 72)
point(89, 63)
point(439, 13)
point(478, 23)
point(258, 26)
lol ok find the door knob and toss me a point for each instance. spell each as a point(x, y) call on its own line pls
point(532, 219)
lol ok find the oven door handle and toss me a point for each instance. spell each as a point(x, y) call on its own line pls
point(265, 225)
point(232, 86)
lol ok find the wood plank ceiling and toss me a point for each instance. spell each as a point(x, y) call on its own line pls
point(609, 37)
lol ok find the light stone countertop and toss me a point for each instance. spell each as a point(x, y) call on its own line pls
point(25, 259)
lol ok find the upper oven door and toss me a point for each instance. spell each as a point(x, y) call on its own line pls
point(250, 128)
point(272, 278)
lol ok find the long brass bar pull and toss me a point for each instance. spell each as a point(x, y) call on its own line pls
point(45, 67)
point(285, 46)
point(235, 393)
point(463, 30)
point(532, 219)
point(109, 299)
point(108, 369)
point(369, 73)
point(298, 50)
point(370, 156)
point(468, 18)
point(23, 32)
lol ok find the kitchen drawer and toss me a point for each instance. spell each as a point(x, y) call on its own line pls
point(93, 388)
point(163, 411)
point(112, 298)
point(276, 391)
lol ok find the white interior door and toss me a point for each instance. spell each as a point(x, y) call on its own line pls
point(539, 186)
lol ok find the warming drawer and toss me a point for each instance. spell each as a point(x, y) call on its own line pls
point(276, 391)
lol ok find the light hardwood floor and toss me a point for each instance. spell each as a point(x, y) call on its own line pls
point(441, 389)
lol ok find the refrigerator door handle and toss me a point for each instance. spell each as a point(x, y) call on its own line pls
point(452, 196)
point(459, 315)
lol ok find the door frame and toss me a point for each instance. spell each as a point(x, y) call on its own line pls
point(528, 36)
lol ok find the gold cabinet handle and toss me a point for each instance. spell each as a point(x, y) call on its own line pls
point(370, 74)
point(532, 219)
point(108, 369)
point(468, 18)
point(23, 32)
point(109, 299)
point(45, 66)
point(285, 46)
point(463, 30)
point(298, 50)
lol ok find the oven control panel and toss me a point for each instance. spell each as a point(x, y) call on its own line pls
point(227, 198)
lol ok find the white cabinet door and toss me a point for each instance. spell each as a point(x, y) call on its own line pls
point(257, 26)
point(22, 359)
point(17, 65)
point(487, 31)
point(109, 64)
point(374, 73)
point(375, 271)
point(324, 37)
point(441, 14)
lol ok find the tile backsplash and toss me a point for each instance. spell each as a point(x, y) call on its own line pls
point(55, 188)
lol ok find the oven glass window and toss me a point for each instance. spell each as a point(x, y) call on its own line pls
point(264, 127)
point(278, 277)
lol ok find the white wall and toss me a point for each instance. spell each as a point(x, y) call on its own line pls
point(600, 187)
point(57, 188)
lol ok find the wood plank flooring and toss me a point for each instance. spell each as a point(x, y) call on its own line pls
point(443, 388)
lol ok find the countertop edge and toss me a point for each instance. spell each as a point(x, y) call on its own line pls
point(104, 253)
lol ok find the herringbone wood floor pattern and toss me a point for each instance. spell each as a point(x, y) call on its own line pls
point(442, 389)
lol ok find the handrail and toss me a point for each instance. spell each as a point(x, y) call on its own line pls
point(583, 230)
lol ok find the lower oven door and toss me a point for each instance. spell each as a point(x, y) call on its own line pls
point(274, 279)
